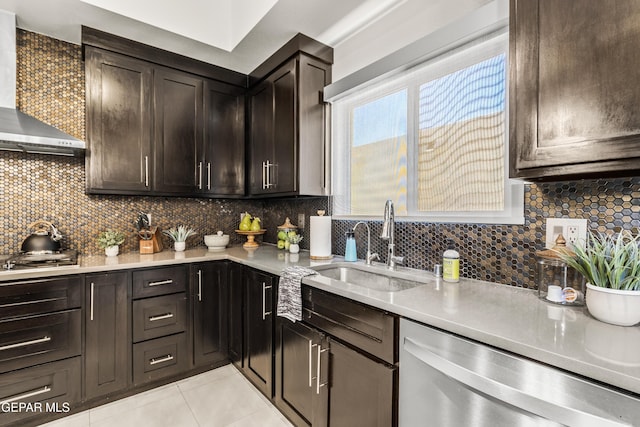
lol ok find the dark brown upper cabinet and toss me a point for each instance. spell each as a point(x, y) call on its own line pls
point(222, 167)
point(573, 98)
point(288, 126)
point(119, 118)
point(178, 131)
point(160, 124)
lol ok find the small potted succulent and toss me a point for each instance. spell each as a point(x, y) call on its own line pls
point(611, 265)
point(179, 235)
point(294, 242)
point(110, 240)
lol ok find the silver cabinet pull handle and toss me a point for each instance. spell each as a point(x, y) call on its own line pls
point(25, 343)
point(91, 300)
point(505, 393)
point(208, 175)
point(146, 171)
point(318, 377)
point(199, 175)
point(265, 313)
point(199, 285)
point(311, 377)
point(268, 184)
point(156, 360)
point(45, 389)
point(160, 283)
point(160, 317)
point(264, 175)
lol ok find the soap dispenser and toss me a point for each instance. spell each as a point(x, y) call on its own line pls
point(451, 263)
point(350, 253)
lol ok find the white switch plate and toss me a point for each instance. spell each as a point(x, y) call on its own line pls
point(574, 230)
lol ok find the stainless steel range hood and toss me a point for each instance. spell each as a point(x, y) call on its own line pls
point(19, 131)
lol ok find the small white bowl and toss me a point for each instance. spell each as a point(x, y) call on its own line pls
point(216, 242)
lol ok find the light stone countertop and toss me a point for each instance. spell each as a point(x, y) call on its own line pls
point(506, 317)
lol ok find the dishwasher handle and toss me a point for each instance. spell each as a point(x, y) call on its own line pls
point(505, 393)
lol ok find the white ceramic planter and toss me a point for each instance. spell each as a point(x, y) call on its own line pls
point(294, 248)
point(179, 246)
point(112, 250)
point(614, 306)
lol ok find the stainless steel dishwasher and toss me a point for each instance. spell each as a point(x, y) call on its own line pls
point(447, 381)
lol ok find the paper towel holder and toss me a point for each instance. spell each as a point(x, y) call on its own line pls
point(322, 256)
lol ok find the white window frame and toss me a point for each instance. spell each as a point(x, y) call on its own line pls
point(473, 52)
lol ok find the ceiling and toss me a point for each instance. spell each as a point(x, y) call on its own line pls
point(235, 34)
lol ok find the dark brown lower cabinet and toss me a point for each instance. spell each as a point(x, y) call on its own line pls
point(322, 382)
point(107, 333)
point(209, 296)
point(236, 296)
point(297, 393)
point(361, 390)
point(258, 329)
point(53, 387)
point(159, 358)
point(338, 366)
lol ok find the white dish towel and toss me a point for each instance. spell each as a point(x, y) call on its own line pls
point(290, 294)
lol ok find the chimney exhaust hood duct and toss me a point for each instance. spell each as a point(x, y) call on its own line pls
point(19, 131)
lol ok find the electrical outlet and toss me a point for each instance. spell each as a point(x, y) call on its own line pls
point(574, 230)
point(301, 221)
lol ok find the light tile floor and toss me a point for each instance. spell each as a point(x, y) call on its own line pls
point(222, 397)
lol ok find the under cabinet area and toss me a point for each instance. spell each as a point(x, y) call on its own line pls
point(573, 89)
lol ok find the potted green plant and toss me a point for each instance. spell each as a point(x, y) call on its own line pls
point(611, 265)
point(179, 236)
point(294, 242)
point(110, 240)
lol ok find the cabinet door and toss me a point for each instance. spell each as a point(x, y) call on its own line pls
point(284, 175)
point(223, 168)
point(297, 393)
point(258, 330)
point(361, 390)
point(107, 333)
point(210, 295)
point(177, 132)
point(573, 88)
point(313, 125)
point(236, 295)
point(261, 137)
point(119, 117)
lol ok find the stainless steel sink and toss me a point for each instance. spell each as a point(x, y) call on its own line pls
point(375, 278)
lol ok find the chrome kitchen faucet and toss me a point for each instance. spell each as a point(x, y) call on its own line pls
point(388, 231)
point(369, 257)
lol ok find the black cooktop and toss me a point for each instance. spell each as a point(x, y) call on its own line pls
point(21, 261)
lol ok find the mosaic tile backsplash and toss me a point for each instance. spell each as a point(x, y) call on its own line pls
point(33, 187)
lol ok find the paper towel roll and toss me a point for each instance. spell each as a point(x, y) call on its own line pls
point(320, 243)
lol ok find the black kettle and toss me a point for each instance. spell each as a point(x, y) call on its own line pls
point(44, 240)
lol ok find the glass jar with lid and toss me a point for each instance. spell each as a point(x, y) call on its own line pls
point(557, 282)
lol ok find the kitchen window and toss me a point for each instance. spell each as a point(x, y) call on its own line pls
point(434, 139)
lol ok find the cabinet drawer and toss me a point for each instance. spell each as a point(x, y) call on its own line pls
point(38, 339)
point(52, 387)
point(360, 325)
point(159, 358)
point(159, 316)
point(39, 296)
point(159, 281)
